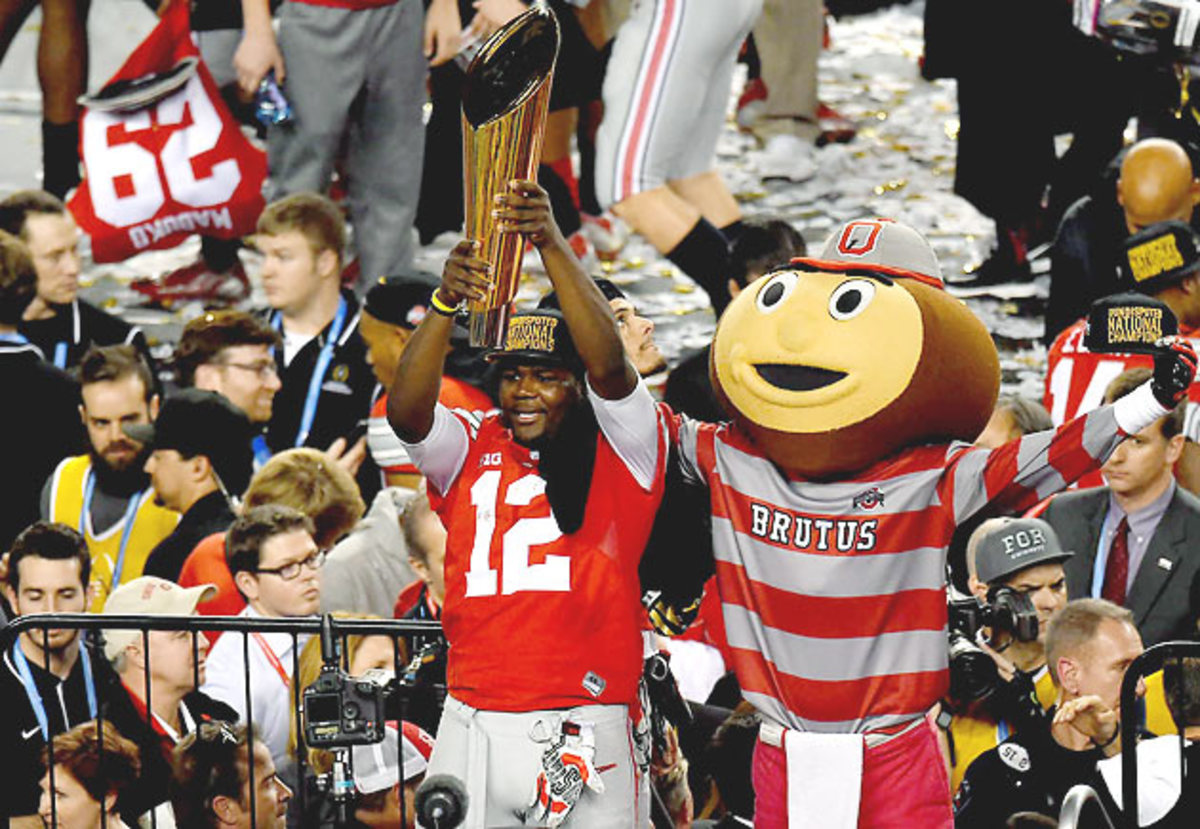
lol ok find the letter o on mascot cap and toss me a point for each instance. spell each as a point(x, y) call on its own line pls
point(832, 364)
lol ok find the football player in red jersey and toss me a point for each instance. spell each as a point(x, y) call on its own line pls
point(1076, 378)
point(541, 596)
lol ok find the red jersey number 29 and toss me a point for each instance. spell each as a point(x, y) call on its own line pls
point(516, 574)
point(129, 183)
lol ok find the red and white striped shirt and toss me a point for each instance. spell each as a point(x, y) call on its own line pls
point(833, 593)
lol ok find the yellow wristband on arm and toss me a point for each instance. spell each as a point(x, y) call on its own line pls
point(440, 305)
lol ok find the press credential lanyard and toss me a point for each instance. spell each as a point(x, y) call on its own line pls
point(35, 697)
point(89, 490)
point(318, 375)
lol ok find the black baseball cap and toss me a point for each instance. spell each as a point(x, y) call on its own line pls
point(538, 338)
point(1128, 323)
point(1160, 255)
point(199, 422)
point(399, 300)
point(606, 286)
point(1005, 546)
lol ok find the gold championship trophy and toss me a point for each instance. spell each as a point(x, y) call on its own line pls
point(504, 102)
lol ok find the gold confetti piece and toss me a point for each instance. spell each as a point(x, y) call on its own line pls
point(110, 302)
point(951, 128)
point(666, 271)
point(609, 267)
point(684, 288)
point(890, 186)
point(635, 262)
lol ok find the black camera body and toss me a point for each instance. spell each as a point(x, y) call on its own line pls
point(341, 710)
point(1005, 609)
point(973, 674)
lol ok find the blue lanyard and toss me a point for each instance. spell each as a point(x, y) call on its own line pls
point(18, 339)
point(35, 697)
point(60, 354)
point(262, 452)
point(135, 501)
point(318, 375)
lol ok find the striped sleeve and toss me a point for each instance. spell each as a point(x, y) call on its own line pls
point(1022, 472)
point(386, 449)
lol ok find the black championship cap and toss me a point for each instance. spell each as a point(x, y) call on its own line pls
point(1128, 323)
point(1160, 255)
point(398, 300)
point(539, 338)
point(198, 422)
point(610, 291)
point(1009, 545)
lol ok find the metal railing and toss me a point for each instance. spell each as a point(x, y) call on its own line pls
point(1151, 660)
point(38, 627)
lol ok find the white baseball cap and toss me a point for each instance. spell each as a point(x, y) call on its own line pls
point(375, 765)
point(149, 596)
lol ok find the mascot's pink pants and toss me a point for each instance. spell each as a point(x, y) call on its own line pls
point(904, 785)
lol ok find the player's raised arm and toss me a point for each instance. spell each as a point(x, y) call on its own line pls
point(414, 392)
point(525, 208)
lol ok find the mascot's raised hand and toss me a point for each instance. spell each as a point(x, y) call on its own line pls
point(1174, 370)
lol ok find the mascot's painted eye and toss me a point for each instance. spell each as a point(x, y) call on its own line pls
point(849, 299)
point(777, 289)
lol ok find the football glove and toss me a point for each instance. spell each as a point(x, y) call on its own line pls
point(567, 767)
point(1174, 370)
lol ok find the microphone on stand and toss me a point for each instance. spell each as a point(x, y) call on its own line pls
point(441, 802)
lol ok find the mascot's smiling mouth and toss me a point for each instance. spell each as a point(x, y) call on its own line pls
point(794, 377)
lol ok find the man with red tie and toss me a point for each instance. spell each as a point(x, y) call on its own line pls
point(1135, 537)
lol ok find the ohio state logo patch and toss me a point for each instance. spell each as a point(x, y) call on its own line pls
point(860, 238)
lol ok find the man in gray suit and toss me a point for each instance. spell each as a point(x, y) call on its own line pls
point(1137, 540)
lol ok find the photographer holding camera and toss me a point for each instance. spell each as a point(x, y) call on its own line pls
point(1016, 578)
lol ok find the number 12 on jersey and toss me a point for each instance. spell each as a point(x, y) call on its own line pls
point(516, 574)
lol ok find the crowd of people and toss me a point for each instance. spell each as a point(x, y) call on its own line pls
point(626, 636)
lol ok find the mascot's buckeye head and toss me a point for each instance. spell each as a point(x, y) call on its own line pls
point(832, 364)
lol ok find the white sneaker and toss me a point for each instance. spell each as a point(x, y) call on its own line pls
point(785, 157)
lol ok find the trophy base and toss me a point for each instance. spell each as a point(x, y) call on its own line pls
point(488, 327)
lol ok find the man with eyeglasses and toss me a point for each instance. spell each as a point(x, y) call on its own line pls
point(200, 461)
point(276, 566)
point(231, 353)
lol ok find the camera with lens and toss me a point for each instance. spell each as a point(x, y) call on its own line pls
point(341, 710)
point(973, 673)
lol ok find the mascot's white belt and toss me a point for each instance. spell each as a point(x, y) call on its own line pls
point(824, 773)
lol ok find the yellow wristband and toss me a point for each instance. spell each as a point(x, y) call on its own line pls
point(441, 307)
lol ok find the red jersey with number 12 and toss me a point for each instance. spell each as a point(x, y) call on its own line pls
point(537, 619)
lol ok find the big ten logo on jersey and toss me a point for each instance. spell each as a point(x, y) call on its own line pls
point(514, 537)
point(842, 535)
point(165, 164)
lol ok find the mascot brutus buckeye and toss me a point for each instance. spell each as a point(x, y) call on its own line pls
point(855, 383)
